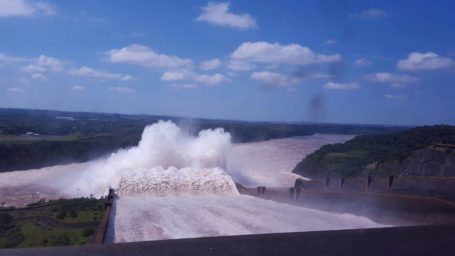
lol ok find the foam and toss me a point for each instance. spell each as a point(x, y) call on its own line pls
point(143, 218)
point(173, 181)
point(166, 160)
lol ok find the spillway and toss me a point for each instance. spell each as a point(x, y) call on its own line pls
point(142, 218)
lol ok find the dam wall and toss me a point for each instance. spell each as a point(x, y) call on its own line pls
point(437, 187)
point(381, 205)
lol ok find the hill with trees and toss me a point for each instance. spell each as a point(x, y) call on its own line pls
point(421, 151)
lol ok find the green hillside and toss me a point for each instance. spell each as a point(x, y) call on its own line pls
point(383, 154)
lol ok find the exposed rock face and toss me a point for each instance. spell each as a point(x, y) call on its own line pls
point(429, 161)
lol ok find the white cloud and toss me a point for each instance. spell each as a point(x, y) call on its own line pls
point(24, 8)
point(210, 64)
point(191, 76)
point(173, 76)
point(211, 79)
point(49, 62)
point(144, 56)
point(330, 42)
point(33, 68)
point(78, 88)
point(39, 76)
point(395, 96)
point(240, 65)
point(7, 58)
point(341, 86)
point(275, 79)
point(90, 72)
point(268, 53)
point(42, 64)
point(16, 90)
point(185, 86)
point(218, 14)
point(122, 89)
point(383, 77)
point(425, 61)
point(362, 62)
point(371, 14)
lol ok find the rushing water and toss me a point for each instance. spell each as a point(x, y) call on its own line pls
point(173, 185)
point(143, 218)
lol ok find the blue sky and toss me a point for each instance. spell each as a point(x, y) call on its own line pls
point(382, 62)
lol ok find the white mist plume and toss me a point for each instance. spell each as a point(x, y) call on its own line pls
point(166, 161)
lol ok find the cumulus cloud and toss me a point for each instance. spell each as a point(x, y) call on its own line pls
point(424, 61)
point(371, 14)
point(275, 78)
point(276, 54)
point(212, 79)
point(40, 65)
point(141, 55)
point(33, 68)
point(362, 62)
point(218, 14)
point(8, 58)
point(210, 64)
point(237, 65)
point(24, 8)
point(49, 62)
point(122, 89)
point(90, 72)
point(396, 80)
point(43, 64)
point(340, 86)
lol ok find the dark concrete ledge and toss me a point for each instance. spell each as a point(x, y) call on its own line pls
point(415, 241)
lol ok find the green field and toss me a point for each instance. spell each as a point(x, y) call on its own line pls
point(37, 234)
point(62, 222)
point(23, 139)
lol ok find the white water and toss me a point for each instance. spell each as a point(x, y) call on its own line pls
point(173, 185)
point(155, 218)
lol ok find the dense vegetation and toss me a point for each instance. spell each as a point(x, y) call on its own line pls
point(369, 153)
point(61, 137)
point(18, 229)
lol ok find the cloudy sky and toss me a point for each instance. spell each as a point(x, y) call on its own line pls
point(382, 62)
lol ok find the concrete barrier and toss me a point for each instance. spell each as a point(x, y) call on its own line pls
point(100, 235)
point(438, 187)
point(413, 241)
